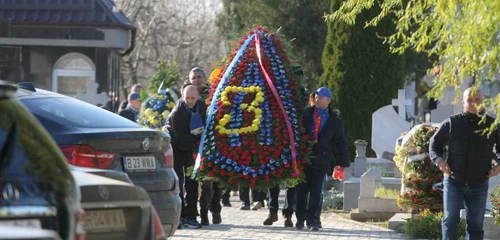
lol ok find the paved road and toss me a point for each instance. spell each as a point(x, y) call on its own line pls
point(238, 224)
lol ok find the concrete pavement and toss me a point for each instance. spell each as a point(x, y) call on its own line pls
point(238, 224)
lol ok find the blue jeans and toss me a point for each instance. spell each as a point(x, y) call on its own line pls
point(474, 196)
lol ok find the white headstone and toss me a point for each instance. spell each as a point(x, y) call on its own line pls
point(445, 107)
point(387, 127)
point(410, 93)
point(370, 181)
point(92, 96)
point(401, 103)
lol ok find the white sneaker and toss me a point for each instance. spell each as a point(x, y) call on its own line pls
point(257, 205)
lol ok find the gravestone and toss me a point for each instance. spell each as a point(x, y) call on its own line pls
point(387, 127)
point(445, 107)
point(401, 102)
point(369, 206)
point(92, 96)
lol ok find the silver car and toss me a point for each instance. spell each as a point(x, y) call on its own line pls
point(116, 209)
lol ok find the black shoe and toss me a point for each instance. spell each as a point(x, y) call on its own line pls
point(216, 218)
point(319, 225)
point(179, 226)
point(191, 223)
point(245, 207)
point(226, 204)
point(299, 225)
point(271, 218)
point(288, 222)
point(314, 228)
point(204, 218)
point(204, 222)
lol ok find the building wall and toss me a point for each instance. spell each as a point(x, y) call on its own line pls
point(40, 62)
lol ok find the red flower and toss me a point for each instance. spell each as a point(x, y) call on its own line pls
point(222, 173)
point(210, 174)
point(240, 175)
point(210, 164)
point(246, 176)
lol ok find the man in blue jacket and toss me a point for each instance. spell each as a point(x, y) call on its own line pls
point(326, 129)
point(467, 165)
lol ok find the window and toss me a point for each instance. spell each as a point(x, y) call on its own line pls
point(71, 74)
point(75, 113)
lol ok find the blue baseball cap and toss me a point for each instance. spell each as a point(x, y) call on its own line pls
point(324, 92)
point(133, 96)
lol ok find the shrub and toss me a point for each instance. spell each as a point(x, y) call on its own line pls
point(427, 225)
point(389, 193)
point(333, 199)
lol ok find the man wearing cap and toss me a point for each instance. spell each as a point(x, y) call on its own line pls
point(131, 112)
point(326, 130)
point(136, 88)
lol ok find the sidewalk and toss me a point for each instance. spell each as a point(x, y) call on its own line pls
point(238, 224)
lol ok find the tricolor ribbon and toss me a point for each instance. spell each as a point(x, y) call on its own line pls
point(280, 103)
point(215, 99)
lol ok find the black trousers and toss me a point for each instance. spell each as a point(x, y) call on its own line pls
point(226, 195)
point(210, 197)
point(288, 207)
point(257, 195)
point(310, 196)
point(188, 186)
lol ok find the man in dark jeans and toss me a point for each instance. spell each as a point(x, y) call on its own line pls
point(210, 200)
point(185, 124)
point(466, 167)
point(288, 207)
point(326, 129)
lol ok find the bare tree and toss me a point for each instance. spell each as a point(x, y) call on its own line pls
point(181, 31)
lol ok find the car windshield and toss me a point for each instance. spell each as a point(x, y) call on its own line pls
point(76, 113)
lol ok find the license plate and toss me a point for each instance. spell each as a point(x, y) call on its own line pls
point(105, 221)
point(29, 223)
point(140, 163)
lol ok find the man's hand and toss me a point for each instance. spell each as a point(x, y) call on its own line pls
point(444, 167)
point(494, 171)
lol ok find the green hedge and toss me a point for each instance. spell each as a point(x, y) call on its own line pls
point(361, 72)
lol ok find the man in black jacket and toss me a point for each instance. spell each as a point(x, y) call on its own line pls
point(131, 111)
point(467, 165)
point(185, 124)
point(326, 129)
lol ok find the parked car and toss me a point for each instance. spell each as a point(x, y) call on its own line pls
point(92, 137)
point(116, 209)
point(37, 189)
point(26, 233)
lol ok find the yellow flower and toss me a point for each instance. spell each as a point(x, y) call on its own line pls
point(222, 122)
point(213, 75)
point(243, 106)
point(170, 104)
point(150, 112)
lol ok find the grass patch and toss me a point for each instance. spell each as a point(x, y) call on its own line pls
point(388, 193)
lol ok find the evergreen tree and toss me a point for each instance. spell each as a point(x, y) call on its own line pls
point(361, 72)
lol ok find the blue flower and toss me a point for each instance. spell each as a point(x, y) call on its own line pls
point(254, 175)
point(223, 166)
point(272, 160)
point(229, 168)
point(229, 161)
